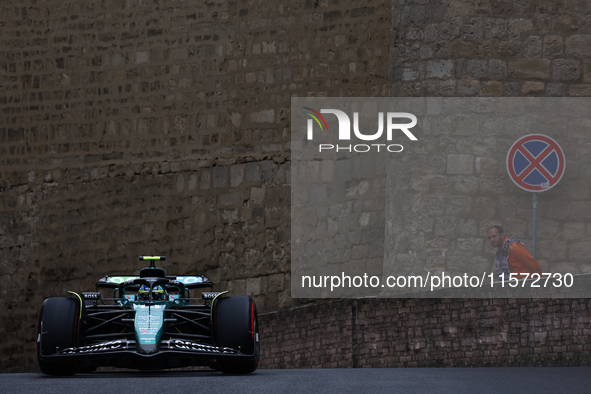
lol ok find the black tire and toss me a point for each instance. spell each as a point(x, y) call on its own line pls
point(57, 329)
point(235, 326)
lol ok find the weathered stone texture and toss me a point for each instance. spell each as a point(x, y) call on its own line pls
point(161, 127)
point(492, 49)
point(489, 48)
point(428, 333)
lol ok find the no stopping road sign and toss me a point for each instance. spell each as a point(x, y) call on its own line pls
point(535, 163)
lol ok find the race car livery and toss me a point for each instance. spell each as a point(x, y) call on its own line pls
point(150, 322)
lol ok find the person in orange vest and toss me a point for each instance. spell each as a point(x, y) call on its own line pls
point(512, 255)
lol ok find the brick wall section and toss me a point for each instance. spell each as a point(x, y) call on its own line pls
point(160, 127)
point(438, 332)
point(491, 48)
point(480, 49)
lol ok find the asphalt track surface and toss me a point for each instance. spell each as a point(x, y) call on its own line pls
point(359, 381)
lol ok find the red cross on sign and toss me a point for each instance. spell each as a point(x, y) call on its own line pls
point(535, 163)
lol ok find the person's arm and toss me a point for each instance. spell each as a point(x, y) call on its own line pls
point(520, 254)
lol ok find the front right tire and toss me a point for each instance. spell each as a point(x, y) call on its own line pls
point(236, 327)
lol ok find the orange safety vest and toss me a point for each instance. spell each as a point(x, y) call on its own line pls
point(521, 261)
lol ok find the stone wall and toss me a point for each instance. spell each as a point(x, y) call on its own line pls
point(438, 332)
point(160, 127)
point(491, 48)
point(457, 183)
point(453, 185)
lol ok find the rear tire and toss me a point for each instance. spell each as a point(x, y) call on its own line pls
point(57, 330)
point(236, 327)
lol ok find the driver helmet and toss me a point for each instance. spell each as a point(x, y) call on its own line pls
point(144, 293)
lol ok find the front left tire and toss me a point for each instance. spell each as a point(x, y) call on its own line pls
point(57, 329)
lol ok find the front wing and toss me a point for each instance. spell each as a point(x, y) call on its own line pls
point(173, 353)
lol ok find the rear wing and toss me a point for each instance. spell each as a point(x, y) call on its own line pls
point(190, 282)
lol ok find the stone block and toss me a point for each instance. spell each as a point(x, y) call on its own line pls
point(205, 179)
point(556, 89)
point(579, 251)
point(364, 166)
point(419, 183)
point(220, 176)
point(552, 250)
point(574, 230)
point(468, 228)
point(450, 30)
point(465, 125)
point(318, 194)
point(576, 190)
point(532, 47)
point(253, 286)
point(264, 116)
point(496, 28)
point(326, 171)
point(459, 8)
point(530, 69)
point(275, 283)
point(267, 167)
point(237, 174)
point(410, 73)
point(578, 45)
point(257, 195)
point(461, 49)
point(580, 90)
point(472, 245)
point(432, 205)
point(457, 205)
point(237, 286)
point(548, 229)
point(142, 57)
point(440, 69)
point(486, 165)
point(252, 172)
point(586, 71)
point(460, 164)
point(492, 184)
point(468, 88)
point(582, 209)
point(230, 199)
point(270, 77)
point(180, 183)
point(492, 88)
point(517, 27)
point(229, 215)
point(236, 119)
point(566, 24)
point(566, 70)
point(553, 46)
point(420, 14)
point(473, 29)
point(531, 87)
point(477, 69)
point(485, 207)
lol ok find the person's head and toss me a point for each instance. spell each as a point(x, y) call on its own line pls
point(495, 235)
point(144, 293)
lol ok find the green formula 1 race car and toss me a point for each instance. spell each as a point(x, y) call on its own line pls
point(150, 322)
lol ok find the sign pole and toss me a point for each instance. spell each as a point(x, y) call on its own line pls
point(535, 163)
point(534, 222)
